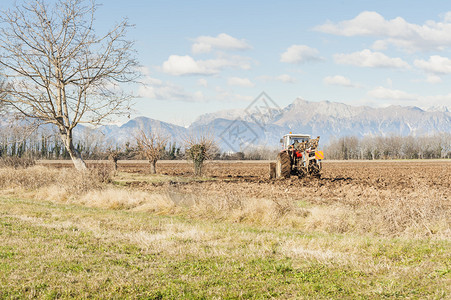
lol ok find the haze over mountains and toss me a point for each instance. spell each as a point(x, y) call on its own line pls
point(237, 129)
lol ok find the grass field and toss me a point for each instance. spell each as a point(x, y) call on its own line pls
point(172, 237)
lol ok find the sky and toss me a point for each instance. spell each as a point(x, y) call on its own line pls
point(204, 56)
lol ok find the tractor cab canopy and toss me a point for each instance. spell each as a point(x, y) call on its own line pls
point(290, 139)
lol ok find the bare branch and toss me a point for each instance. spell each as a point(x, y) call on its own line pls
point(199, 147)
point(58, 70)
point(151, 146)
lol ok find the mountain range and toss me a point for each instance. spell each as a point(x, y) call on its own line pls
point(262, 124)
point(239, 128)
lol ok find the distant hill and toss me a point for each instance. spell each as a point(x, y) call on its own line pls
point(330, 119)
point(126, 132)
point(237, 129)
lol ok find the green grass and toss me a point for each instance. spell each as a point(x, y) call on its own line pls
point(68, 251)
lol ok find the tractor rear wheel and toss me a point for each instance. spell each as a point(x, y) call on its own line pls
point(283, 165)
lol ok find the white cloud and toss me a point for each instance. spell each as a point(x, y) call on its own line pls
point(182, 65)
point(204, 44)
point(300, 54)
point(447, 17)
point(411, 37)
point(282, 78)
point(394, 96)
point(389, 82)
point(436, 64)
point(202, 82)
point(368, 58)
point(379, 45)
point(391, 94)
point(433, 79)
point(186, 65)
point(285, 78)
point(237, 81)
point(225, 95)
point(153, 88)
point(339, 80)
point(199, 96)
point(366, 23)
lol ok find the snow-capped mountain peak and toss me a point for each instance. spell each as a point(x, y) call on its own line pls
point(441, 108)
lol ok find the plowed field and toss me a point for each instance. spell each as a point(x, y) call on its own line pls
point(346, 182)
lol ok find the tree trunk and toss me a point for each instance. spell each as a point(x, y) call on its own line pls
point(153, 166)
point(66, 136)
point(198, 166)
point(113, 157)
point(115, 165)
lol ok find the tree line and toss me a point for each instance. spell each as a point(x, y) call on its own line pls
point(390, 147)
point(92, 145)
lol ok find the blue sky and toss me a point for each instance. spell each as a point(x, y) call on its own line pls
point(205, 56)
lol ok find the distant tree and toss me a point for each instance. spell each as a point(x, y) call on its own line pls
point(199, 148)
point(2, 95)
point(392, 147)
point(344, 148)
point(445, 139)
point(151, 146)
point(113, 156)
point(59, 71)
point(44, 145)
point(129, 151)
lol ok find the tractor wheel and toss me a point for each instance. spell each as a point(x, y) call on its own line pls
point(283, 165)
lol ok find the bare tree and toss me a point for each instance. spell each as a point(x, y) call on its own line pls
point(113, 156)
point(446, 145)
point(59, 71)
point(199, 148)
point(152, 147)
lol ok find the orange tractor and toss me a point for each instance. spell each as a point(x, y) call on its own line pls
point(299, 157)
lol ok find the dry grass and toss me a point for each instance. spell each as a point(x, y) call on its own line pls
point(346, 208)
point(16, 162)
point(233, 208)
point(421, 210)
point(413, 216)
point(217, 239)
point(69, 186)
point(74, 182)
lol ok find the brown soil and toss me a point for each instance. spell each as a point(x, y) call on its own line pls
point(344, 181)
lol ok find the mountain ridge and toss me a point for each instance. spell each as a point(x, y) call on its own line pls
point(237, 129)
point(326, 119)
